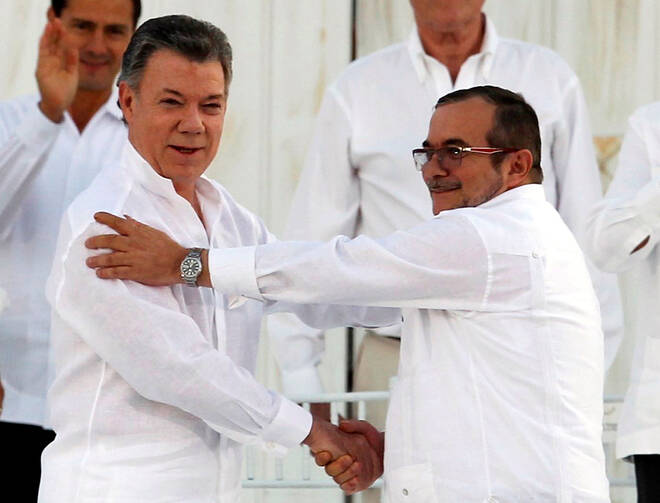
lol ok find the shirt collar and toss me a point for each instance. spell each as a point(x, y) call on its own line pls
point(146, 176)
point(532, 191)
point(418, 56)
point(112, 107)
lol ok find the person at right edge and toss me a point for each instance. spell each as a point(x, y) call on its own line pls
point(356, 175)
point(623, 236)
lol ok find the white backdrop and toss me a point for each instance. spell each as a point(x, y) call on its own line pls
point(287, 51)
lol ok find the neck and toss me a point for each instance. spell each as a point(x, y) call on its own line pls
point(86, 104)
point(454, 46)
point(188, 192)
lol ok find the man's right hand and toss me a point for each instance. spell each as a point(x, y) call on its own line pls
point(57, 70)
point(346, 471)
point(366, 464)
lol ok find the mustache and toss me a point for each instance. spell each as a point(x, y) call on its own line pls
point(443, 184)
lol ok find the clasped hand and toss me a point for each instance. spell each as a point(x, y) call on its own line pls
point(351, 454)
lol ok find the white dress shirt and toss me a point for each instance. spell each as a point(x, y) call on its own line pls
point(154, 390)
point(629, 213)
point(43, 166)
point(499, 395)
point(359, 176)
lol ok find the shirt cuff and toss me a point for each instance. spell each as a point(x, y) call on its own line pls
point(289, 428)
point(302, 381)
point(36, 127)
point(232, 271)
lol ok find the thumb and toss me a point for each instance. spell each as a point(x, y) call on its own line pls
point(365, 428)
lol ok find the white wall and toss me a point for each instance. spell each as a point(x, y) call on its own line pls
point(287, 51)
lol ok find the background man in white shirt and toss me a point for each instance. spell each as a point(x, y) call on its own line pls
point(623, 231)
point(499, 392)
point(355, 176)
point(154, 392)
point(51, 146)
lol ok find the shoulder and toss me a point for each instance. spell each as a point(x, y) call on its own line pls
point(647, 114)
point(20, 104)
point(108, 192)
point(248, 228)
point(367, 69)
point(13, 111)
point(537, 58)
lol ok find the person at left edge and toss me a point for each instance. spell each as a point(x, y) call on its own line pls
point(52, 144)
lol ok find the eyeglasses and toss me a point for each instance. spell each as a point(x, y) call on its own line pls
point(450, 157)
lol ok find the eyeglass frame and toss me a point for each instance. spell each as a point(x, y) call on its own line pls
point(464, 150)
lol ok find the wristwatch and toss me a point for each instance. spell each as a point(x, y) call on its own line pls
point(191, 266)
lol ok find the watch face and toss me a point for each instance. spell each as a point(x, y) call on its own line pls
point(190, 267)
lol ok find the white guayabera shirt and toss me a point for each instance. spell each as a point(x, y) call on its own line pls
point(359, 176)
point(499, 395)
point(43, 167)
point(154, 389)
point(629, 213)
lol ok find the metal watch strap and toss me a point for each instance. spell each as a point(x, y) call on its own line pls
point(193, 253)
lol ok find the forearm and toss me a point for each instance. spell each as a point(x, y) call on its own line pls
point(624, 230)
point(398, 271)
point(23, 152)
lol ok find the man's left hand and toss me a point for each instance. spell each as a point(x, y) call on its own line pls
point(138, 252)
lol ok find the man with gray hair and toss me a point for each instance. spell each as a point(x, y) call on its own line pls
point(154, 390)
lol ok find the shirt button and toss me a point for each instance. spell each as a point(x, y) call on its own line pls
point(491, 499)
point(535, 255)
point(405, 491)
point(270, 445)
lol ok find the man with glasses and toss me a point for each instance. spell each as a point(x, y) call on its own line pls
point(355, 179)
point(499, 396)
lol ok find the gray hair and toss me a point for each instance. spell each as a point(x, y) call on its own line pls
point(199, 41)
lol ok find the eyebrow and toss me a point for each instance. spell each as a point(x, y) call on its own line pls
point(455, 141)
point(209, 97)
point(89, 22)
point(450, 141)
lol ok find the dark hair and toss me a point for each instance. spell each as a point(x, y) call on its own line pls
point(197, 40)
point(58, 5)
point(515, 124)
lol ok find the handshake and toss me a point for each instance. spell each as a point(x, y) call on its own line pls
point(351, 453)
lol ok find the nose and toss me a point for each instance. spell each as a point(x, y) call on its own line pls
point(433, 168)
point(191, 121)
point(96, 43)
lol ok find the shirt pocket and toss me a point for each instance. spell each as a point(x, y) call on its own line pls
point(410, 484)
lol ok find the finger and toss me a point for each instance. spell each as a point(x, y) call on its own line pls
point(71, 61)
point(351, 486)
point(354, 426)
point(121, 272)
point(340, 465)
point(116, 223)
point(322, 458)
point(108, 260)
point(353, 470)
point(112, 241)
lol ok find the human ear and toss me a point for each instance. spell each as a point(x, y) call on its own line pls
point(126, 100)
point(519, 165)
